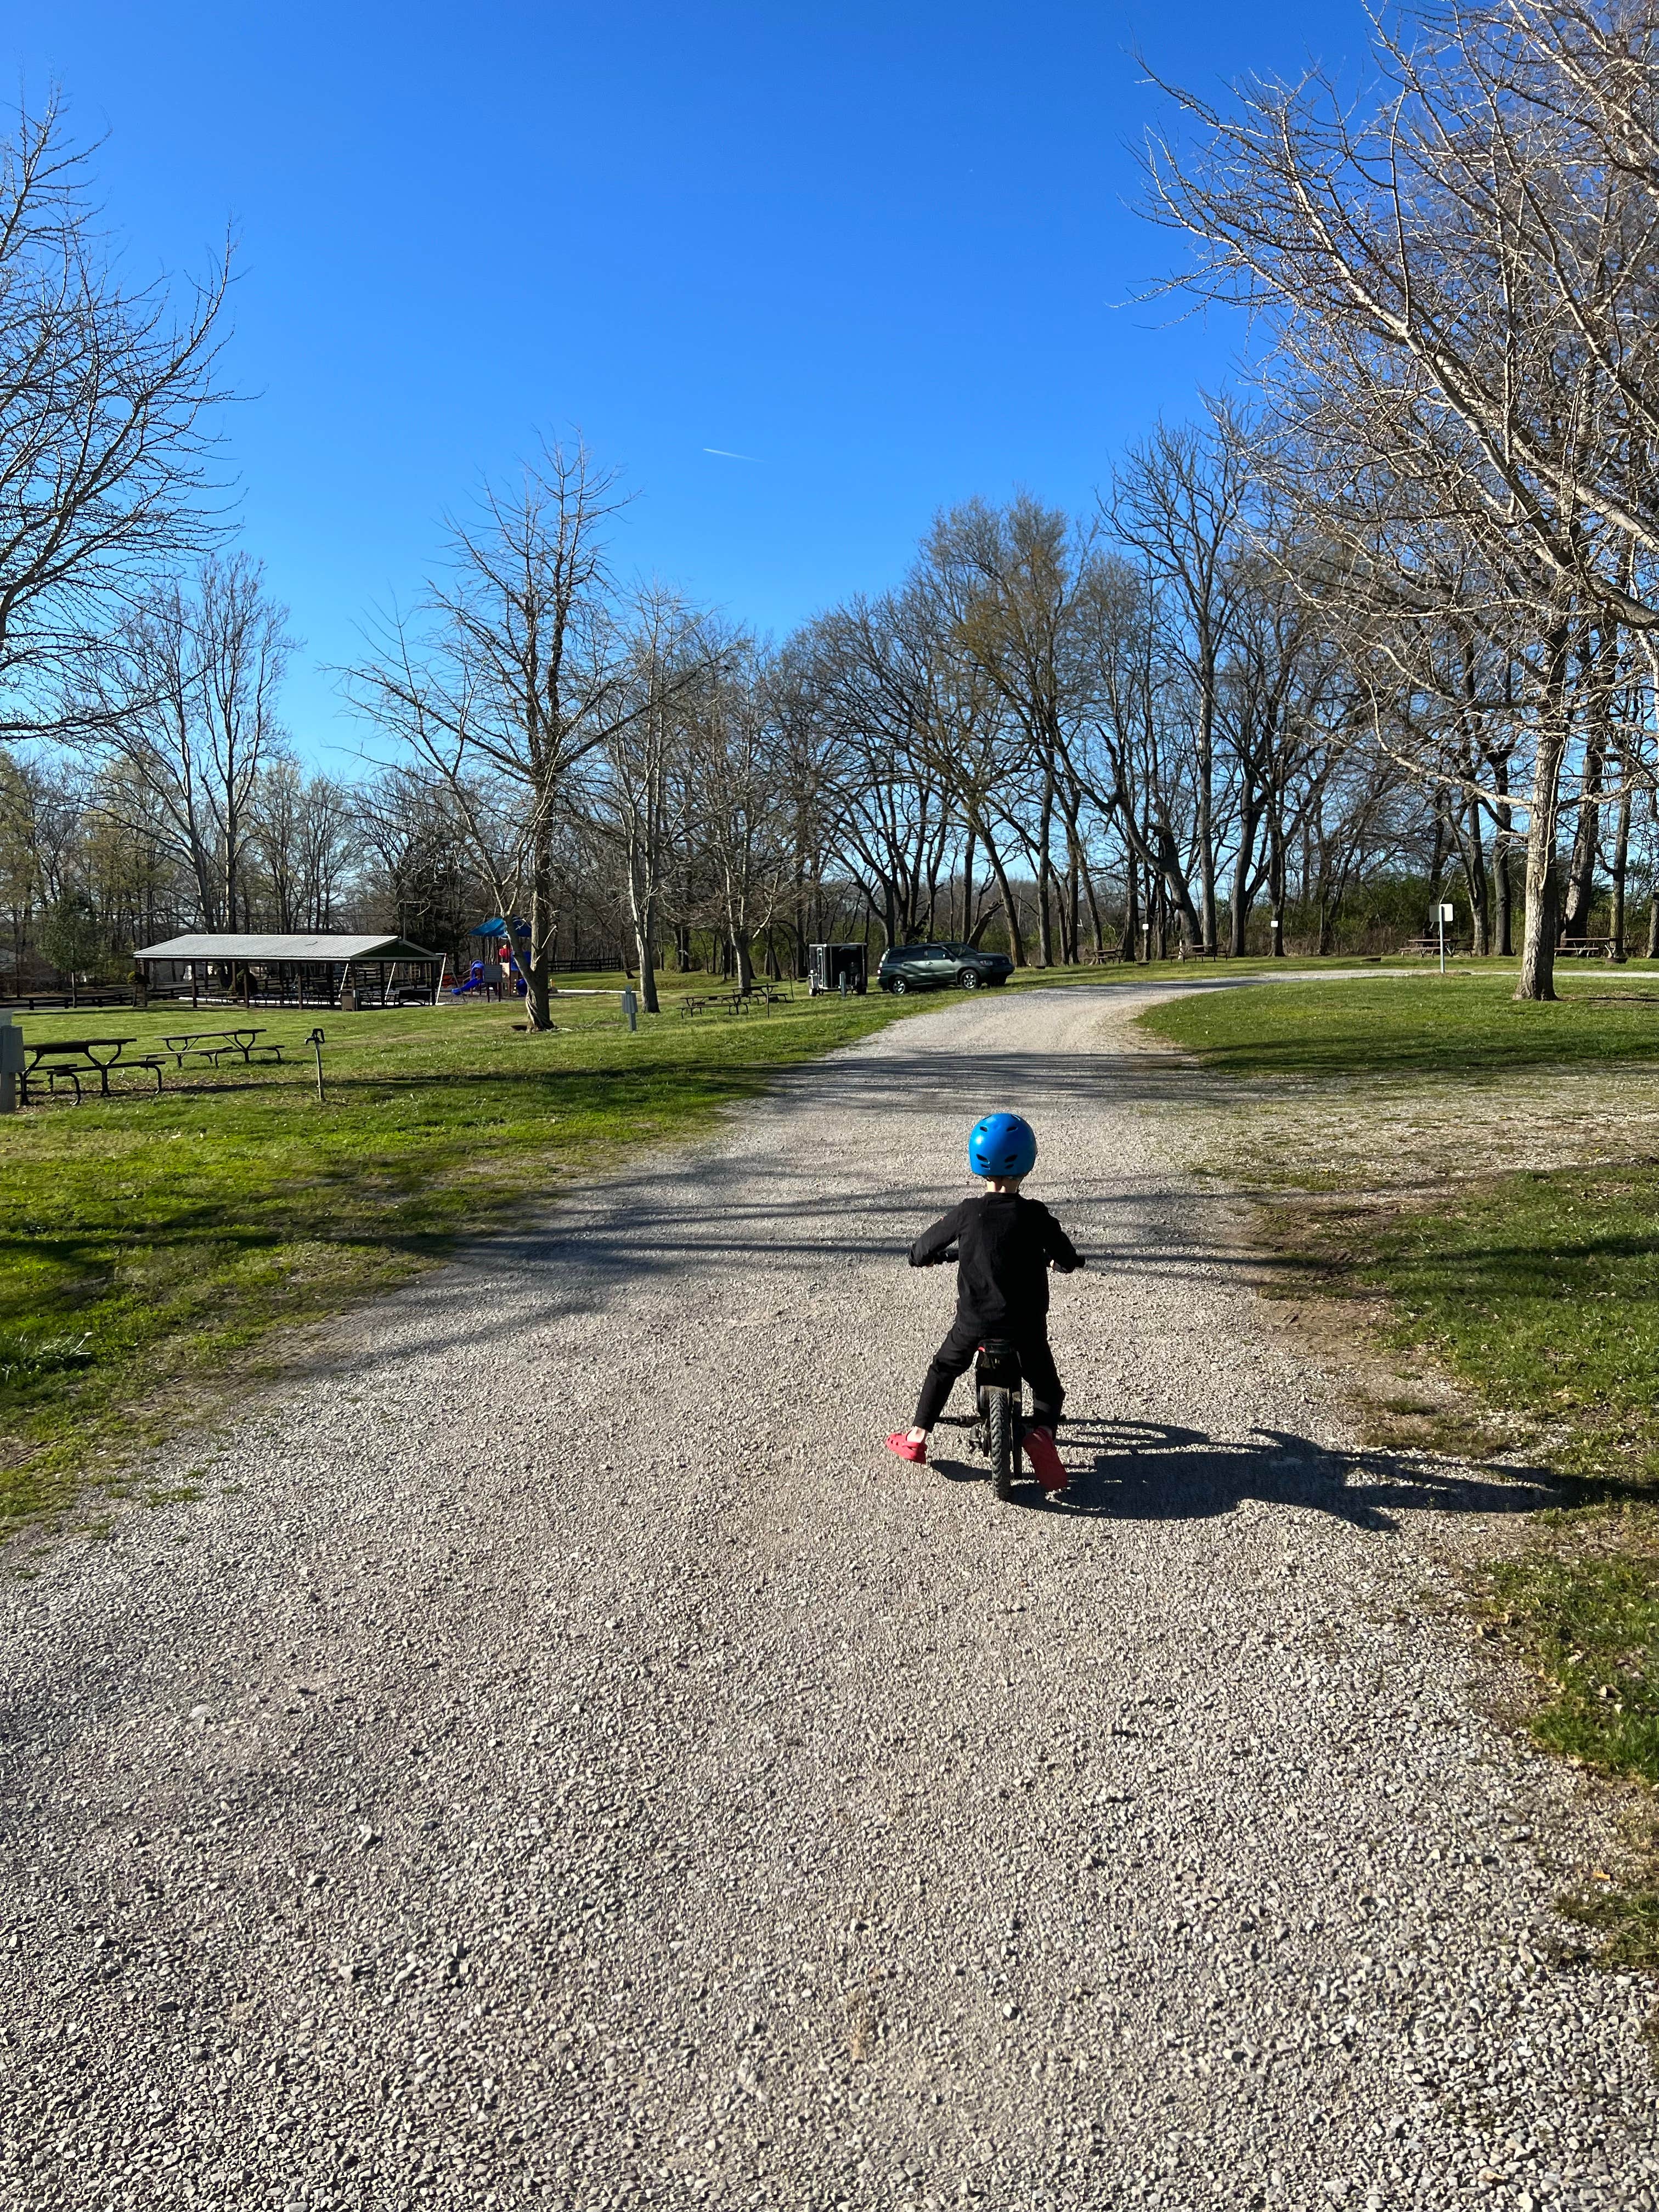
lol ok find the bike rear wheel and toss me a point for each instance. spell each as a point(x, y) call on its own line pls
point(1000, 1437)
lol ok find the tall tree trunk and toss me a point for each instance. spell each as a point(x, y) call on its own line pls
point(1327, 913)
point(645, 944)
point(1600, 670)
point(1543, 820)
point(1438, 855)
point(1096, 924)
point(1206, 778)
point(1016, 940)
point(1130, 948)
point(1474, 878)
point(1502, 861)
point(1045, 827)
point(1173, 890)
point(1581, 869)
point(541, 911)
point(1620, 863)
point(1241, 911)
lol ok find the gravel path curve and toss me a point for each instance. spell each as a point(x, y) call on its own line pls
point(560, 1759)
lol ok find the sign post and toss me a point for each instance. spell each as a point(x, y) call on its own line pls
point(11, 1063)
point(1444, 915)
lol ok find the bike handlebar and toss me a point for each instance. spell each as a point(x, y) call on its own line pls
point(950, 1255)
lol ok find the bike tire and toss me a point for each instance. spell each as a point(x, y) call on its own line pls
point(999, 1436)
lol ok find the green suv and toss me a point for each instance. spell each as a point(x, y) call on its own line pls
point(940, 967)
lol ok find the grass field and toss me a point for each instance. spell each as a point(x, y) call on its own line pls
point(1413, 1024)
point(1535, 1286)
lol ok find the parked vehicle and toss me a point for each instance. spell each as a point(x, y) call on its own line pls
point(940, 967)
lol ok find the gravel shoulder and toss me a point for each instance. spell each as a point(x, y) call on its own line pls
point(559, 1757)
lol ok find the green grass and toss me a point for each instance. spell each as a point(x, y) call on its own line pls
point(1587, 1616)
point(1583, 1606)
point(150, 1243)
point(1465, 1023)
point(1537, 1289)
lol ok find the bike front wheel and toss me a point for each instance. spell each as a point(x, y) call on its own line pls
point(999, 1436)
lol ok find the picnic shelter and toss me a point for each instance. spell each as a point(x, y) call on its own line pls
point(292, 970)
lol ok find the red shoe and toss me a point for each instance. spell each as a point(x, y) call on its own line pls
point(1046, 1463)
point(900, 1444)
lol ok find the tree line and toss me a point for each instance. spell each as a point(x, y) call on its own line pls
point(1376, 630)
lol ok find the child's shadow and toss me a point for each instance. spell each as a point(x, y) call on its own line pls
point(1131, 1470)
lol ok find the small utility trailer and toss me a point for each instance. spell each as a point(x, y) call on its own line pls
point(843, 967)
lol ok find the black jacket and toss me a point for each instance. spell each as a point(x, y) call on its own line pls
point(1005, 1244)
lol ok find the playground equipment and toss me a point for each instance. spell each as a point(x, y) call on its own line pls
point(498, 969)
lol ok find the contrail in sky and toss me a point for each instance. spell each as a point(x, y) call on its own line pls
point(725, 453)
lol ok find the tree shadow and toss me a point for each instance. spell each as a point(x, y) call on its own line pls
point(1136, 1470)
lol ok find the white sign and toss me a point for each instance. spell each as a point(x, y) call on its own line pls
point(1447, 912)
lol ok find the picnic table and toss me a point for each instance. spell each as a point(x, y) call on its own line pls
point(81, 1056)
point(738, 1002)
point(1587, 948)
point(212, 1045)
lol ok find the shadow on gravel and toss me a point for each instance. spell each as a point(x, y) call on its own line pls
point(860, 1082)
point(1151, 1471)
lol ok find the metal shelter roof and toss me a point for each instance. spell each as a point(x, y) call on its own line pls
point(319, 950)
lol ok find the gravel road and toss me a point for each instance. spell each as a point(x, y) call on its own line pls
point(559, 1758)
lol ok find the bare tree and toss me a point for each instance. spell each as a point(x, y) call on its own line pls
point(1461, 274)
point(644, 797)
point(301, 834)
point(185, 698)
point(743, 815)
point(516, 669)
point(105, 393)
point(1179, 500)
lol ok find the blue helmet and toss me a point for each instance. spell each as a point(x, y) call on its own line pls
point(1002, 1145)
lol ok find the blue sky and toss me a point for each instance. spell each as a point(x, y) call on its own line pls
point(882, 249)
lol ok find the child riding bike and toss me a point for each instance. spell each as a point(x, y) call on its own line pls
point(1007, 1245)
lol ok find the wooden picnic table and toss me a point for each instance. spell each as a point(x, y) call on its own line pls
point(212, 1045)
point(39, 1052)
point(1586, 948)
point(737, 1002)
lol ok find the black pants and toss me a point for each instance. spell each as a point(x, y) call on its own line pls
point(956, 1355)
